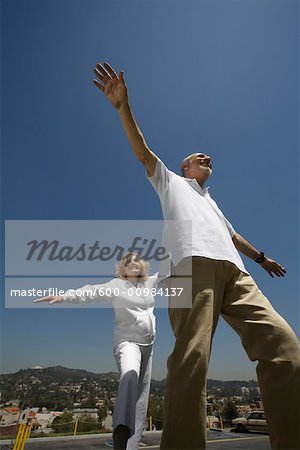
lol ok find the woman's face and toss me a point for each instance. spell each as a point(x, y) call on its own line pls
point(132, 266)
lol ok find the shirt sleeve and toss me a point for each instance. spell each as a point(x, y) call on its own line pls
point(161, 177)
point(153, 280)
point(90, 293)
point(230, 228)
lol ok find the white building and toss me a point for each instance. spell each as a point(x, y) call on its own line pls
point(108, 422)
point(245, 391)
point(9, 415)
point(82, 412)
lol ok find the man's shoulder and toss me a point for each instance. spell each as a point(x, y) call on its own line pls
point(162, 177)
point(162, 166)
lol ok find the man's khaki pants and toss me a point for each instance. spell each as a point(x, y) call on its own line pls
point(220, 288)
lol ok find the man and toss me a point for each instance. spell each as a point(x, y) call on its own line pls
point(220, 285)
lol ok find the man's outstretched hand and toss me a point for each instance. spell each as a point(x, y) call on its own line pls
point(111, 84)
point(273, 268)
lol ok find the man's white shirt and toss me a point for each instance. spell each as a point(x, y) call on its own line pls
point(194, 224)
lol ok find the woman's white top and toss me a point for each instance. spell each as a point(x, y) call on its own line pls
point(133, 307)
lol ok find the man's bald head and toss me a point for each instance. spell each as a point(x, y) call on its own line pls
point(195, 165)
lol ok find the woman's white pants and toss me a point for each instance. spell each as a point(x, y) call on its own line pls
point(134, 363)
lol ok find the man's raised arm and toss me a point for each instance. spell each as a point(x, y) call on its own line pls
point(115, 89)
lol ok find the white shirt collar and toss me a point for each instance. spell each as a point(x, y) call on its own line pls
point(196, 185)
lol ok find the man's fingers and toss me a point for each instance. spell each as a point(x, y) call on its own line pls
point(101, 77)
point(106, 78)
point(277, 271)
point(99, 85)
point(272, 267)
point(110, 70)
point(273, 271)
point(104, 73)
point(121, 76)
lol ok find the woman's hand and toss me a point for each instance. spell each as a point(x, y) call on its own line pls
point(111, 84)
point(51, 299)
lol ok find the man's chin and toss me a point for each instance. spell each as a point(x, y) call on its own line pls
point(208, 174)
point(206, 168)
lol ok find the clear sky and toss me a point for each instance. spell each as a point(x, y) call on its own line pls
point(214, 76)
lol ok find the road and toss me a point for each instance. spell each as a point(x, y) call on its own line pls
point(150, 440)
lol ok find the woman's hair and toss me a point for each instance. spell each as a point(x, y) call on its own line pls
point(120, 266)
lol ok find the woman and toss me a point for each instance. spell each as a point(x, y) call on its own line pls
point(131, 293)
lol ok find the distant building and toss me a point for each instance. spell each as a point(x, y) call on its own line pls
point(13, 402)
point(108, 422)
point(212, 422)
point(259, 405)
point(245, 391)
point(81, 412)
point(45, 418)
point(243, 409)
point(9, 415)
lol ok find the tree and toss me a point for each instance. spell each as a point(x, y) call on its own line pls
point(155, 409)
point(88, 423)
point(63, 423)
point(230, 411)
point(102, 413)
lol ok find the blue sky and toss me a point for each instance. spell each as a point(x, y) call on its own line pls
point(214, 76)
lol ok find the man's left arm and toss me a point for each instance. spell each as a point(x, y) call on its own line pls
point(271, 266)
